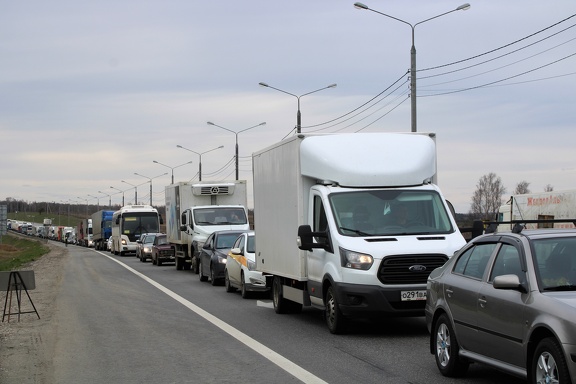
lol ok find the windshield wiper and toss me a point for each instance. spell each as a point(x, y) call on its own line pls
point(356, 231)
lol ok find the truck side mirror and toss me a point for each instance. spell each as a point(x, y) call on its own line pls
point(117, 219)
point(161, 219)
point(305, 239)
point(182, 228)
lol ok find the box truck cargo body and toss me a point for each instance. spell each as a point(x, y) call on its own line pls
point(195, 210)
point(101, 228)
point(351, 223)
point(553, 205)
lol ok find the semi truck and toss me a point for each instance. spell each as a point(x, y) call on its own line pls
point(101, 228)
point(129, 223)
point(553, 205)
point(84, 233)
point(351, 224)
point(196, 210)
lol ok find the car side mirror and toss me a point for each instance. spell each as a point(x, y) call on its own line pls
point(236, 251)
point(511, 282)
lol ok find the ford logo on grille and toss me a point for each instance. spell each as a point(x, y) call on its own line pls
point(417, 268)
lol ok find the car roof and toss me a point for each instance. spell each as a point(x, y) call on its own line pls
point(531, 233)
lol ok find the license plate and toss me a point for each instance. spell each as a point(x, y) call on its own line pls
point(412, 295)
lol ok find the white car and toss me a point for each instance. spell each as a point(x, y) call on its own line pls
point(240, 272)
point(109, 244)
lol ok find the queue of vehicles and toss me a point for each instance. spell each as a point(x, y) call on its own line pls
point(355, 225)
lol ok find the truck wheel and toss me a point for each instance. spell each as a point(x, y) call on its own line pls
point(281, 305)
point(229, 287)
point(202, 277)
point(334, 318)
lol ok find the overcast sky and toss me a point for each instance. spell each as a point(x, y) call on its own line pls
point(92, 92)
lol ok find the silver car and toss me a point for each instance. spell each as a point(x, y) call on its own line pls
point(507, 300)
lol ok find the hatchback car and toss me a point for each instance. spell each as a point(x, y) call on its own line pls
point(162, 251)
point(507, 300)
point(214, 253)
point(240, 270)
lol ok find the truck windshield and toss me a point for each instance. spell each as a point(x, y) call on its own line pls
point(135, 224)
point(390, 212)
point(219, 216)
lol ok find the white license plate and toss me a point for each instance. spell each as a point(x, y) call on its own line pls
point(412, 295)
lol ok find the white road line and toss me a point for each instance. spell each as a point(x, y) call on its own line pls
point(282, 362)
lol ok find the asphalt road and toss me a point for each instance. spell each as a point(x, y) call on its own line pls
point(123, 321)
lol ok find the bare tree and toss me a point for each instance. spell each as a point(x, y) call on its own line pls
point(488, 197)
point(522, 188)
point(548, 188)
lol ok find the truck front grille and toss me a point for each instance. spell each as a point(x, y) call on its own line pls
point(409, 269)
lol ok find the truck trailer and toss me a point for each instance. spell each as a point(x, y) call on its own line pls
point(84, 233)
point(129, 223)
point(553, 205)
point(195, 210)
point(351, 224)
point(101, 228)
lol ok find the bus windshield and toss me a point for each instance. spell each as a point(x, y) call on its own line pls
point(135, 224)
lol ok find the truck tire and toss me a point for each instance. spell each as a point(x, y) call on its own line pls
point(282, 305)
point(335, 320)
point(179, 262)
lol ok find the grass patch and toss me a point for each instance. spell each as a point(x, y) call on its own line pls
point(16, 251)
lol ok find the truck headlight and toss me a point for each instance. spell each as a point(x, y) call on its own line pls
point(355, 260)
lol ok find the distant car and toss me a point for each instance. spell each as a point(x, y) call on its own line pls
point(144, 246)
point(240, 270)
point(109, 244)
point(507, 300)
point(213, 255)
point(162, 251)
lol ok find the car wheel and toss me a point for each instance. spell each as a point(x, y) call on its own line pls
point(334, 318)
point(229, 287)
point(549, 364)
point(213, 279)
point(200, 273)
point(245, 293)
point(158, 261)
point(153, 259)
point(447, 349)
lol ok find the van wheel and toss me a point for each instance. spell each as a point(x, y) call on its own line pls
point(334, 318)
point(447, 349)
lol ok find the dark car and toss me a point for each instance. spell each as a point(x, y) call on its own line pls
point(144, 246)
point(212, 260)
point(507, 300)
point(162, 251)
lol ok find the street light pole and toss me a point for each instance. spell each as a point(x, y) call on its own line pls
point(119, 190)
point(172, 168)
point(298, 114)
point(236, 133)
point(135, 192)
point(463, 7)
point(97, 204)
point(150, 178)
point(200, 155)
point(109, 198)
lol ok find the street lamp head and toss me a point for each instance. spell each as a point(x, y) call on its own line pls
point(332, 86)
point(210, 123)
point(463, 7)
point(360, 6)
point(263, 84)
point(154, 161)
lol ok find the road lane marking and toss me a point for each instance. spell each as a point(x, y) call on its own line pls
point(282, 362)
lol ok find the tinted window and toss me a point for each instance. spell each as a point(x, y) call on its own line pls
point(473, 262)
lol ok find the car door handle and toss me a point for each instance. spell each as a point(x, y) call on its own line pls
point(449, 292)
point(482, 302)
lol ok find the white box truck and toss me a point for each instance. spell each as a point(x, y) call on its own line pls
point(352, 224)
point(195, 210)
point(553, 205)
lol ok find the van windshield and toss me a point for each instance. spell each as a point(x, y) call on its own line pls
point(390, 212)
